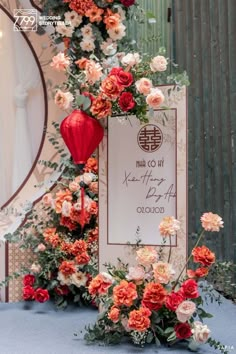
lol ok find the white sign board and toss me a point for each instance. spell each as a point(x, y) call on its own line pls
point(143, 178)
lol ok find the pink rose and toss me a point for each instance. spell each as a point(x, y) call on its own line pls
point(155, 98)
point(47, 199)
point(136, 273)
point(74, 186)
point(159, 63)
point(41, 247)
point(35, 268)
point(146, 256)
point(144, 86)
point(185, 310)
point(60, 62)
point(94, 187)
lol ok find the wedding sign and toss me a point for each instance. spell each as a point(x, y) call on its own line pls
point(142, 179)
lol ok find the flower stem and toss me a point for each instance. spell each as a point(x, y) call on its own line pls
point(196, 244)
point(170, 249)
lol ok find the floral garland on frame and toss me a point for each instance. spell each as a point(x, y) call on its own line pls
point(63, 239)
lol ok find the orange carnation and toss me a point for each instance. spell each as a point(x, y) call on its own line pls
point(93, 235)
point(124, 293)
point(67, 268)
point(67, 222)
point(138, 319)
point(51, 236)
point(154, 296)
point(80, 6)
point(79, 246)
point(203, 255)
point(110, 87)
point(94, 14)
point(101, 107)
point(66, 247)
point(100, 284)
point(93, 208)
point(61, 196)
point(82, 258)
point(201, 272)
point(91, 165)
point(80, 218)
point(114, 314)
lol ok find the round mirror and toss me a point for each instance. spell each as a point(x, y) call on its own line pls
point(22, 108)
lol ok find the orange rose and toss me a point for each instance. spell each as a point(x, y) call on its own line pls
point(100, 284)
point(124, 293)
point(82, 258)
point(79, 246)
point(154, 296)
point(114, 314)
point(138, 319)
point(101, 107)
point(61, 196)
point(111, 19)
point(94, 14)
point(110, 87)
point(203, 255)
point(67, 268)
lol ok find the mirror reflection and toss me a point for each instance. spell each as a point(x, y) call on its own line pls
point(22, 109)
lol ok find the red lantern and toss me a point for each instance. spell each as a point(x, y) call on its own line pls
point(81, 134)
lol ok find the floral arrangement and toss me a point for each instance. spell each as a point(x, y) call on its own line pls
point(127, 85)
point(62, 234)
point(150, 303)
point(90, 26)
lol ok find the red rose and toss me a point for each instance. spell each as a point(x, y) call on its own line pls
point(189, 289)
point(62, 290)
point(124, 78)
point(127, 3)
point(41, 295)
point(29, 279)
point(126, 101)
point(173, 300)
point(28, 293)
point(183, 330)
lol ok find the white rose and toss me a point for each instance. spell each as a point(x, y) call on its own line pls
point(200, 332)
point(63, 280)
point(66, 208)
point(159, 63)
point(131, 59)
point(79, 279)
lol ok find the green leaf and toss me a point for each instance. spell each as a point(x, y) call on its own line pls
point(171, 337)
point(86, 103)
point(80, 100)
point(149, 338)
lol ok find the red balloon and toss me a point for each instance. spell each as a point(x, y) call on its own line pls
point(81, 134)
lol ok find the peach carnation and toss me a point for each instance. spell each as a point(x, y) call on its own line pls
point(111, 19)
point(81, 63)
point(63, 99)
point(93, 71)
point(163, 272)
point(211, 222)
point(169, 226)
point(124, 293)
point(146, 256)
point(61, 196)
point(60, 62)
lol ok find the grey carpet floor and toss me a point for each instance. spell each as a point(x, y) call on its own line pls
point(33, 328)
